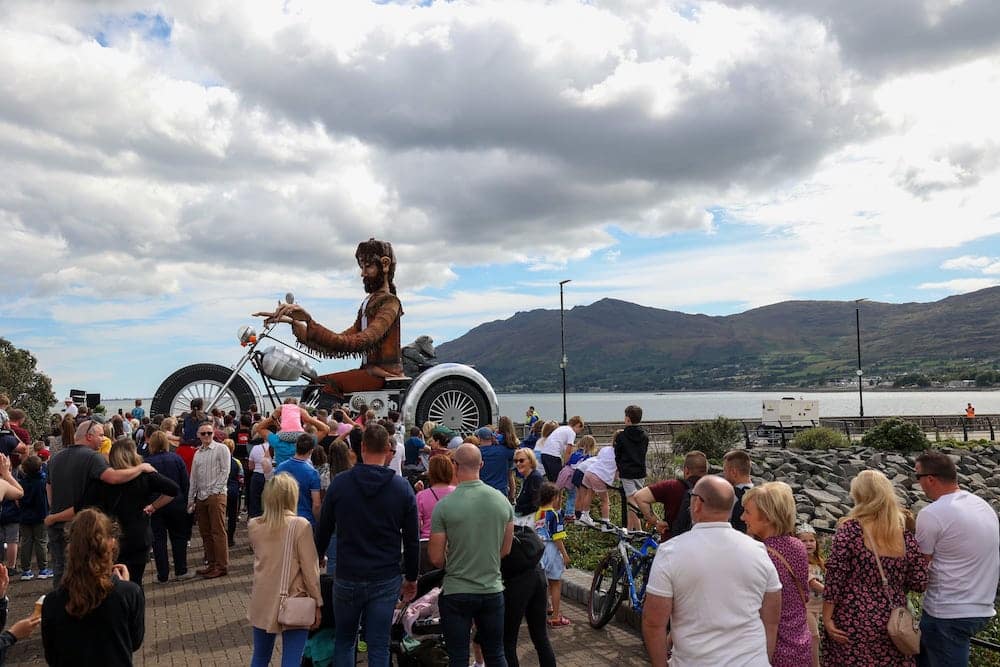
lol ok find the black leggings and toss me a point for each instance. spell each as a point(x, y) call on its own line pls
point(552, 465)
point(526, 596)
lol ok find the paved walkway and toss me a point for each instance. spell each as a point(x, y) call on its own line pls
point(202, 622)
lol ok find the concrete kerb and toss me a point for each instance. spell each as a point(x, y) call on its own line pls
point(576, 587)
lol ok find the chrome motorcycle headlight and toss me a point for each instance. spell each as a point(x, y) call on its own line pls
point(247, 334)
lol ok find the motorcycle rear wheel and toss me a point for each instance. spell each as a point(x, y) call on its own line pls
point(205, 381)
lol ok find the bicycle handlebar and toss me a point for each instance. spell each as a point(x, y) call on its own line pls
point(622, 533)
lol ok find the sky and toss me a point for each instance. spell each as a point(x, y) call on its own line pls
point(169, 168)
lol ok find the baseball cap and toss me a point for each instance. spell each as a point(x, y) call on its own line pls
point(484, 434)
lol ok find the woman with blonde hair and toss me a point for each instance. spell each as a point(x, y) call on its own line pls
point(526, 504)
point(856, 602)
point(769, 512)
point(96, 615)
point(268, 536)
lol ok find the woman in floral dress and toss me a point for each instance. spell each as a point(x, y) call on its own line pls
point(856, 605)
point(769, 512)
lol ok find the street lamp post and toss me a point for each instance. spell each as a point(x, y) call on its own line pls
point(857, 327)
point(562, 344)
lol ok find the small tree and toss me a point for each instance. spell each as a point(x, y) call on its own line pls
point(896, 435)
point(714, 438)
point(820, 437)
point(28, 389)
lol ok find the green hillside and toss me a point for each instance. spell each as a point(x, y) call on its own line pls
point(616, 345)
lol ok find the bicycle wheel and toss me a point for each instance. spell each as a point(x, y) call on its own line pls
point(641, 574)
point(606, 590)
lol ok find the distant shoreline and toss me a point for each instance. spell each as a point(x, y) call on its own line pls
point(787, 390)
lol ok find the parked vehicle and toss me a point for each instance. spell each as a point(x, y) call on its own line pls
point(786, 416)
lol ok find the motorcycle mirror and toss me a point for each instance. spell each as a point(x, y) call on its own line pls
point(289, 297)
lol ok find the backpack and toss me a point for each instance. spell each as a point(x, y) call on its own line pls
point(735, 519)
point(525, 552)
point(682, 522)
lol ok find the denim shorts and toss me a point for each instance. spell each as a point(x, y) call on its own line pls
point(10, 532)
point(552, 562)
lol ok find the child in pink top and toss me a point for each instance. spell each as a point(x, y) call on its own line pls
point(291, 420)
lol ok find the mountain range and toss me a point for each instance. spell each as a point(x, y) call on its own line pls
point(614, 345)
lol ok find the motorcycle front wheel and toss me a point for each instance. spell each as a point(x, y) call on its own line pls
point(205, 381)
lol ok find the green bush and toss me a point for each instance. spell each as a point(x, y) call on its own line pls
point(820, 437)
point(896, 435)
point(714, 438)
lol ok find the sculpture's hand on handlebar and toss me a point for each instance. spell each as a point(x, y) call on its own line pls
point(285, 312)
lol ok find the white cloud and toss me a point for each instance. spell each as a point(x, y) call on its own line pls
point(166, 187)
point(960, 285)
point(968, 263)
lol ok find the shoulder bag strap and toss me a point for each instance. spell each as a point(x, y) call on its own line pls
point(286, 560)
point(798, 586)
point(881, 572)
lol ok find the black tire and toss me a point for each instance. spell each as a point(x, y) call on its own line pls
point(642, 577)
point(606, 592)
point(201, 380)
point(456, 403)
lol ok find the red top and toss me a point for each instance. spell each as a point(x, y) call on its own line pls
point(186, 452)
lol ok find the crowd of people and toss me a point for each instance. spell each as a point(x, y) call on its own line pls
point(735, 579)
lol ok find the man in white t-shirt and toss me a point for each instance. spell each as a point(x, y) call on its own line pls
point(71, 408)
point(717, 587)
point(960, 535)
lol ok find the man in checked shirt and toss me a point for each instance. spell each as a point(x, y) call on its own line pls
point(207, 500)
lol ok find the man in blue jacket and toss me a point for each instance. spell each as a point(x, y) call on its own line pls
point(374, 513)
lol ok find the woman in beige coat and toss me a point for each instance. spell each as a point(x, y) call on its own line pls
point(267, 538)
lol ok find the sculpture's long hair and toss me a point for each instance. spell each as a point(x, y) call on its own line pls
point(90, 553)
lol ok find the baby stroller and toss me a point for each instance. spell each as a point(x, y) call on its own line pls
point(423, 646)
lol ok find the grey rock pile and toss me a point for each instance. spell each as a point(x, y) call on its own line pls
point(821, 480)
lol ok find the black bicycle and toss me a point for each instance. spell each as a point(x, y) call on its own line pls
point(622, 573)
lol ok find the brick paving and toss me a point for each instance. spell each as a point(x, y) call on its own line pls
point(199, 622)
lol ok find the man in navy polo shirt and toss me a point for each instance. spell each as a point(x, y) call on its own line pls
point(301, 468)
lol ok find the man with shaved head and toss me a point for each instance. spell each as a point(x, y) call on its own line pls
point(472, 528)
point(715, 586)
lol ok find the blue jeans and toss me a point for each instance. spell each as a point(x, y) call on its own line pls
point(458, 611)
point(293, 644)
point(377, 600)
point(570, 502)
point(944, 642)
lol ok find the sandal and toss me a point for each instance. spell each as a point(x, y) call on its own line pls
point(560, 622)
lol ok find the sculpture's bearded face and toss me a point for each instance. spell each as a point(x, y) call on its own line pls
point(372, 275)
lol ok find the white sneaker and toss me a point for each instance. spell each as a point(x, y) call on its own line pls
point(587, 521)
point(190, 574)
